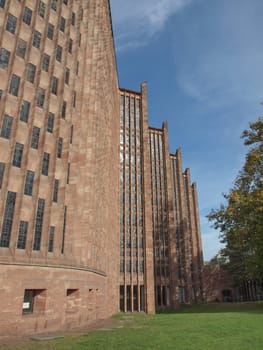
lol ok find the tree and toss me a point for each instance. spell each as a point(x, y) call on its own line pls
point(240, 221)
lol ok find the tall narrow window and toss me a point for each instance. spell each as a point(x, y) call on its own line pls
point(39, 223)
point(24, 111)
point(18, 153)
point(36, 39)
point(4, 58)
point(27, 15)
point(54, 5)
point(29, 182)
point(67, 76)
point(1, 93)
point(6, 127)
point(64, 230)
point(2, 3)
point(14, 85)
point(68, 173)
point(8, 219)
point(45, 62)
point(45, 164)
point(41, 9)
point(70, 44)
point(2, 170)
point(50, 31)
point(22, 233)
point(71, 134)
point(79, 39)
point(31, 71)
point(40, 97)
point(11, 23)
point(54, 85)
point(60, 144)
point(58, 53)
point(73, 16)
point(51, 238)
point(64, 109)
point(62, 24)
point(55, 190)
point(74, 98)
point(50, 122)
point(21, 48)
point(35, 137)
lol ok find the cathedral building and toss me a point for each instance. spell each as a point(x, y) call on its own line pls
point(96, 215)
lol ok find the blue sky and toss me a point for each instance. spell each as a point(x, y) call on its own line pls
point(203, 62)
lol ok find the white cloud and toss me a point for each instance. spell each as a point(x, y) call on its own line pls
point(219, 59)
point(136, 22)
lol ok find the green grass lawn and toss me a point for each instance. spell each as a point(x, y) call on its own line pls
point(200, 327)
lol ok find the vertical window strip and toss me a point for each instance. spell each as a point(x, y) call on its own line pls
point(29, 182)
point(39, 224)
point(2, 171)
point(6, 126)
point(55, 190)
point(51, 239)
point(22, 234)
point(35, 137)
point(8, 219)
point(64, 230)
point(18, 153)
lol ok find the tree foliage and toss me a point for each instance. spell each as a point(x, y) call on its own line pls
point(240, 220)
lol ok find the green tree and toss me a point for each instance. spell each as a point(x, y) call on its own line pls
point(240, 220)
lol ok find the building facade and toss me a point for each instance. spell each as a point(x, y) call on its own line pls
point(160, 241)
point(96, 216)
point(59, 165)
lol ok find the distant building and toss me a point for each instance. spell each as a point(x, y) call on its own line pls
point(96, 216)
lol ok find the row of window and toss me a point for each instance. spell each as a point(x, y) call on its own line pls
point(7, 126)
point(40, 99)
point(23, 226)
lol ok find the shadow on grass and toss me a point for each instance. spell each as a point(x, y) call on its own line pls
point(246, 307)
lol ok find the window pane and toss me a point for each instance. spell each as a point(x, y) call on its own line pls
point(21, 242)
point(2, 3)
point(54, 85)
point(39, 224)
point(29, 182)
point(54, 5)
point(35, 137)
point(60, 143)
point(21, 48)
point(51, 238)
point(40, 97)
point(45, 164)
point(31, 71)
point(6, 126)
point(64, 108)
point(24, 111)
point(4, 58)
point(45, 62)
point(36, 39)
point(59, 53)
point(11, 23)
point(14, 85)
point(2, 170)
point(55, 191)
point(27, 15)
point(50, 31)
point(62, 24)
point(50, 122)
point(18, 153)
point(8, 219)
point(41, 9)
